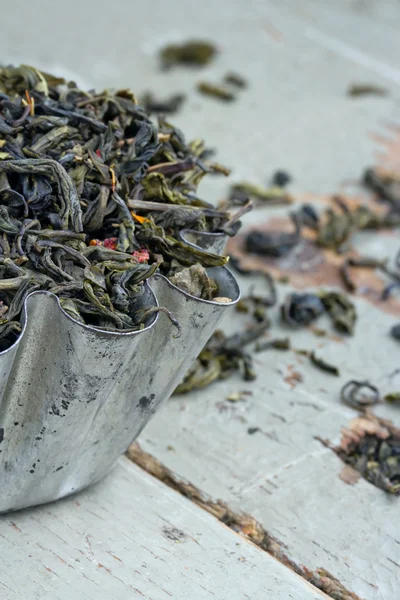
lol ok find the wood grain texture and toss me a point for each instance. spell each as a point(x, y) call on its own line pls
point(281, 474)
point(132, 537)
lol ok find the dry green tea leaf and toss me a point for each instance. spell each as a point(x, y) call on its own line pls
point(191, 53)
point(216, 91)
point(93, 198)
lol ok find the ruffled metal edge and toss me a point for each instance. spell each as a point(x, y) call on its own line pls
point(212, 242)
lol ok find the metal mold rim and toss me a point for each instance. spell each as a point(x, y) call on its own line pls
point(111, 334)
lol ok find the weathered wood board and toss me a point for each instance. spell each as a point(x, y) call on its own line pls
point(132, 537)
point(281, 474)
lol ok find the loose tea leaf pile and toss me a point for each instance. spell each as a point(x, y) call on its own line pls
point(93, 196)
point(372, 447)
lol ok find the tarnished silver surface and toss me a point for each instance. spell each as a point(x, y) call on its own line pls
point(72, 397)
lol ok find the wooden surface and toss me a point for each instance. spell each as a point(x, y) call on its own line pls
point(282, 475)
point(299, 58)
point(132, 537)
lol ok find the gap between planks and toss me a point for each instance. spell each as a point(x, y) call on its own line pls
point(243, 524)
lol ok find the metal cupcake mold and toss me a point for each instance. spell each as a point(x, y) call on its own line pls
point(73, 397)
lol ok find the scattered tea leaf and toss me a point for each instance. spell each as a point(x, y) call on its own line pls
point(239, 396)
point(191, 53)
point(359, 394)
point(319, 332)
point(385, 183)
point(272, 243)
point(366, 89)
point(395, 332)
point(235, 79)
point(166, 106)
point(308, 216)
point(215, 90)
point(388, 289)
point(341, 310)
point(336, 228)
point(323, 365)
point(302, 352)
point(281, 178)
point(253, 430)
point(284, 279)
point(393, 397)
point(301, 309)
point(277, 344)
point(256, 304)
point(271, 195)
point(363, 262)
point(221, 357)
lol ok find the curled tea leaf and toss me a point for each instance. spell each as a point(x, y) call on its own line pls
point(143, 316)
point(341, 310)
point(323, 364)
point(301, 309)
point(359, 394)
point(363, 262)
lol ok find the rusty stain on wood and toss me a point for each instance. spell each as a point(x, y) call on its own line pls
point(349, 475)
point(115, 557)
point(14, 526)
point(271, 30)
point(293, 377)
point(310, 265)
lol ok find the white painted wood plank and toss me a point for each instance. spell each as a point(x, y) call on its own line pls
point(357, 30)
point(351, 530)
point(321, 520)
point(132, 537)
